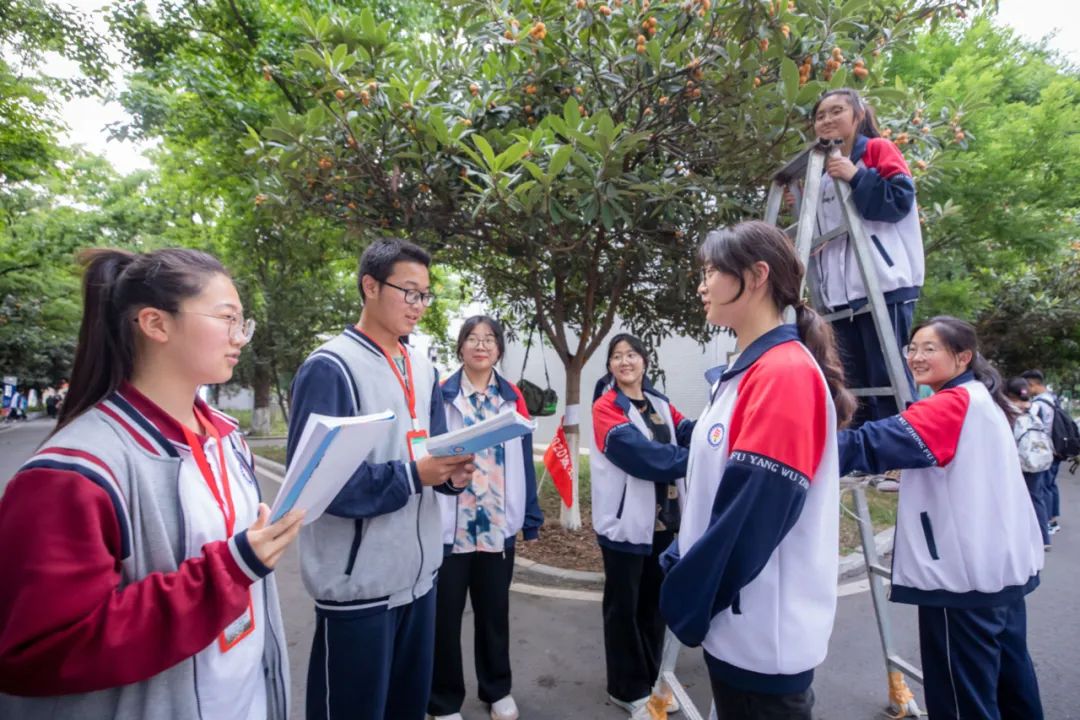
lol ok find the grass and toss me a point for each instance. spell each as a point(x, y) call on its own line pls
point(278, 425)
point(882, 515)
point(271, 452)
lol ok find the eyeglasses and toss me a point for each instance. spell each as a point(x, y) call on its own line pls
point(413, 296)
point(928, 351)
point(630, 356)
point(488, 342)
point(240, 330)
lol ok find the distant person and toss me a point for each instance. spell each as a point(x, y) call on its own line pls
point(1045, 404)
point(51, 404)
point(1034, 448)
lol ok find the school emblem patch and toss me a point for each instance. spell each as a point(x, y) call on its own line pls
point(716, 435)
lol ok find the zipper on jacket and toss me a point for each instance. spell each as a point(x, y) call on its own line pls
point(420, 542)
point(928, 533)
point(354, 549)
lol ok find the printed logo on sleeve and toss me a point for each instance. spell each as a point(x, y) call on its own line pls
point(716, 435)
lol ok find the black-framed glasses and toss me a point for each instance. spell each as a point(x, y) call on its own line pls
point(413, 296)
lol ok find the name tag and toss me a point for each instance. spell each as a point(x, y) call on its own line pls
point(238, 629)
point(417, 442)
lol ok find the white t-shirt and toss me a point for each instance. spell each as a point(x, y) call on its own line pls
point(230, 685)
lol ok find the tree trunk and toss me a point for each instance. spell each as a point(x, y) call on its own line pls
point(260, 385)
point(570, 517)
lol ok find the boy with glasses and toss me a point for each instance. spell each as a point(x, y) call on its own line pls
point(371, 560)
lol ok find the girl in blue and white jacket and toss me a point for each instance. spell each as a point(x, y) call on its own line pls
point(883, 192)
point(967, 547)
point(479, 530)
point(639, 452)
point(752, 576)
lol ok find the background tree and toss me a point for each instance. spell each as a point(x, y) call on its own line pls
point(568, 154)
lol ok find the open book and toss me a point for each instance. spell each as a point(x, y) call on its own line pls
point(481, 436)
point(329, 452)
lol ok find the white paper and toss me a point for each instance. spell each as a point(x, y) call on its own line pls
point(353, 439)
point(481, 436)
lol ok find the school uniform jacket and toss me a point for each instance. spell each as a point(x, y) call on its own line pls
point(522, 509)
point(966, 532)
point(378, 545)
point(104, 600)
point(753, 575)
point(626, 464)
point(884, 194)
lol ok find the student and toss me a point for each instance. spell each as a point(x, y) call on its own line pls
point(139, 587)
point(371, 560)
point(639, 452)
point(1035, 450)
point(967, 546)
point(884, 195)
point(752, 576)
point(1044, 405)
point(479, 529)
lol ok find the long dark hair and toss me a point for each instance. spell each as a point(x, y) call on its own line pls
point(116, 285)
point(868, 124)
point(734, 251)
point(958, 336)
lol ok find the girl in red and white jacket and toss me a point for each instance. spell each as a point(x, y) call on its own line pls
point(752, 577)
point(139, 586)
point(883, 192)
point(968, 548)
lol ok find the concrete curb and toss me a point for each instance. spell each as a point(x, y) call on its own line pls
point(854, 564)
point(271, 470)
point(586, 576)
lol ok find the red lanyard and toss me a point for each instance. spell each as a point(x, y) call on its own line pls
point(409, 388)
point(228, 510)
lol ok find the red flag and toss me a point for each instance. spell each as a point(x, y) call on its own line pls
point(560, 466)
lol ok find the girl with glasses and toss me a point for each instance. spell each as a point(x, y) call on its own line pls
point(479, 530)
point(968, 547)
point(140, 588)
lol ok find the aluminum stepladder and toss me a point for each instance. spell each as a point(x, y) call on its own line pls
point(808, 167)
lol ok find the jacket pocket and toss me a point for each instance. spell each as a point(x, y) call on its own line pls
point(622, 501)
point(881, 249)
point(358, 533)
point(928, 533)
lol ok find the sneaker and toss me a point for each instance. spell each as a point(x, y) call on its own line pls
point(1054, 528)
point(1046, 548)
point(505, 709)
point(452, 716)
point(629, 706)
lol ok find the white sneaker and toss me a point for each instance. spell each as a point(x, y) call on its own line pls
point(630, 707)
point(505, 709)
point(454, 716)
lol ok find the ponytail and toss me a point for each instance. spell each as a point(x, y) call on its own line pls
point(988, 375)
point(735, 250)
point(818, 337)
point(116, 285)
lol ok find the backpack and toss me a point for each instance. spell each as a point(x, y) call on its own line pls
point(1033, 444)
point(1063, 432)
point(539, 401)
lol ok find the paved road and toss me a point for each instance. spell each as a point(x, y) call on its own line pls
point(558, 647)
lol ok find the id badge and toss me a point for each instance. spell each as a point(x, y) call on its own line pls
point(238, 629)
point(417, 441)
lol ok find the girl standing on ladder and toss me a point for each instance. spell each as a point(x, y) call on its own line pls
point(883, 192)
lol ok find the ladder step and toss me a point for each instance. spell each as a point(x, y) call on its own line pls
point(880, 571)
point(872, 392)
point(845, 314)
point(831, 235)
point(905, 667)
